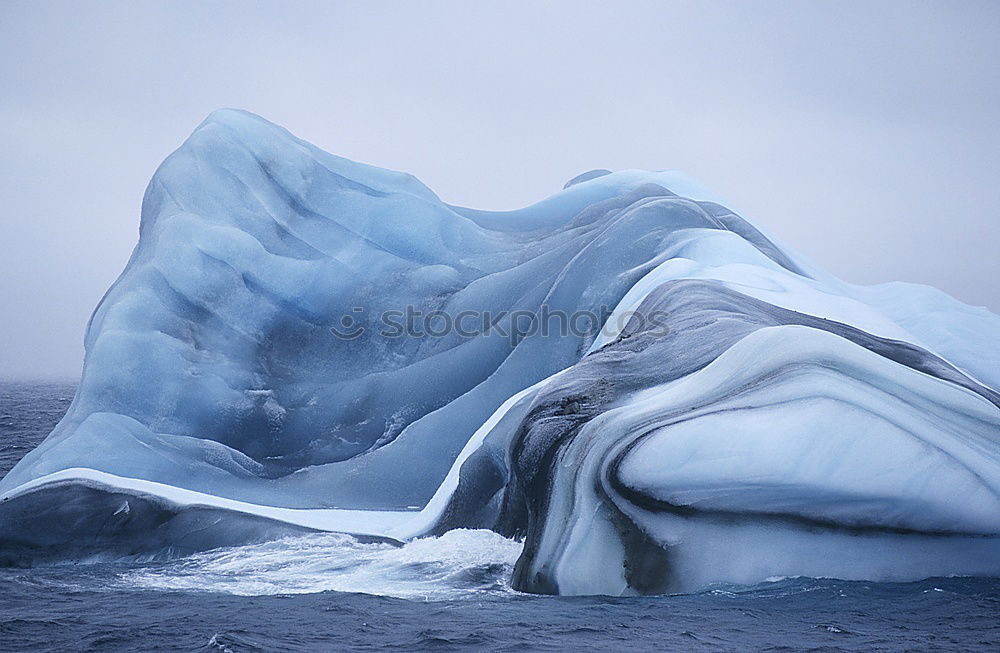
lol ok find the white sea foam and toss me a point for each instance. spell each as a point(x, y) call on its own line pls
point(458, 564)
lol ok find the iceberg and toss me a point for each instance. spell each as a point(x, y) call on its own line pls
point(650, 392)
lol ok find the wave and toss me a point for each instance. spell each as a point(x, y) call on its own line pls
point(462, 563)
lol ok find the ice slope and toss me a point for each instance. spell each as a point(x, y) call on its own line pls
point(774, 421)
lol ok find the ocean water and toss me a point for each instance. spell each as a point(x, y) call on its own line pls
point(331, 592)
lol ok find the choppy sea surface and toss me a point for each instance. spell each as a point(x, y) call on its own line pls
point(331, 592)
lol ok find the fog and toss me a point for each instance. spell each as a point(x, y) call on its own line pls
point(866, 135)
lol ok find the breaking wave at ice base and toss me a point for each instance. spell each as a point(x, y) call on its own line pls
point(459, 564)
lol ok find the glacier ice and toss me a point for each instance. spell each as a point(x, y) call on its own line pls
point(778, 421)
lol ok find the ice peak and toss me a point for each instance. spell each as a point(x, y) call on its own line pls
point(586, 176)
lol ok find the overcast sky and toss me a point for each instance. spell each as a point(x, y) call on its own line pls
point(867, 135)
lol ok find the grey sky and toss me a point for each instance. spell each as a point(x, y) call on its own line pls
point(866, 135)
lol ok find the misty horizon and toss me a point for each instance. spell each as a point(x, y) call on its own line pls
point(864, 137)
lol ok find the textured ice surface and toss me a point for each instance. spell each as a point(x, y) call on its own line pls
point(783, 423)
